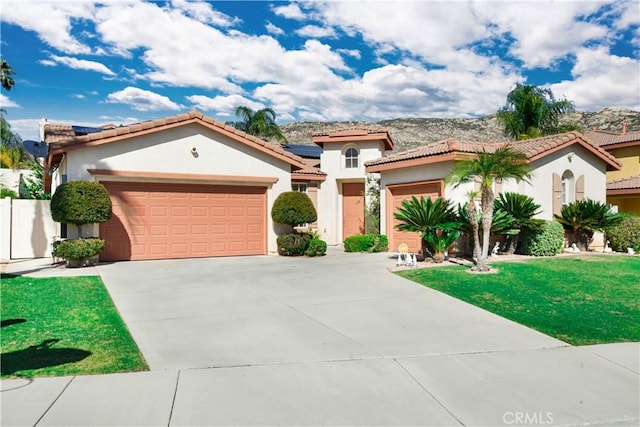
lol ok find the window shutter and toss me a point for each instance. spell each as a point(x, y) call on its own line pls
point(557, 194)
point(580, 188)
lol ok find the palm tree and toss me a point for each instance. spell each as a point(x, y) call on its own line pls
point(503, 163)
point(502, 223)
point(531, 112)
point(584, 217)
point(261, 123)
point(5, 75)
point(434, 219)
point(522, 209)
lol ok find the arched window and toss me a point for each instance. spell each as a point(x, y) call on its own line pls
point(568, 188)
point(351, 158)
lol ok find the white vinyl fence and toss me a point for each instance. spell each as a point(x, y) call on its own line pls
point(26, 228)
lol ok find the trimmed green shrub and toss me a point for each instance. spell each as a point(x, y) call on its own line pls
point(546, 241)
point(293, 208)
point(317, 247)
point(625, 235)
point(81, 202)
point(294, 244)
point(366, 243)
point(78, 249)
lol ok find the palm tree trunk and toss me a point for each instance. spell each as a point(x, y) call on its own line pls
point(487, 216)
point(472, 212)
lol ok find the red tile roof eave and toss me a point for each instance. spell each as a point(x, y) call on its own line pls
point(307, 177)
point(379, 136)
point(454, 147)
point(146, 128)
point(418, 161)
point(614, 164)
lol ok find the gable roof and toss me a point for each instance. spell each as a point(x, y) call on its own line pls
point(354, 134)
point(608, 139)
point(452, 149)
point(57, 136)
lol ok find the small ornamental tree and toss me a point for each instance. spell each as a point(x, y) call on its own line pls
point(81, 202)
point(293, 208)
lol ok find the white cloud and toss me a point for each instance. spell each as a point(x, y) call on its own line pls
point(291, 11)
point(602, 80)
point(203, 12)
point(5, 102)
point(315, 31)
point(354, 53)
point(51, 21)
point(78, 64)
point(119, 120)
point(28, 129)
point(48, 63)
point(543, 32)
point(142, 100)
point(274, 29)
point(224, 106)
point(77, 96)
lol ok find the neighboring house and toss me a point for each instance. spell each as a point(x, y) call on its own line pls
point(565, 167)
point(191, 186)
point(623, 186)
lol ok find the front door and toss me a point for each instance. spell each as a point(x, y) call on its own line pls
point(352, 209)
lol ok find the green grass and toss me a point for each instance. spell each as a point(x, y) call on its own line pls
point(63, 326)
point(586, 300)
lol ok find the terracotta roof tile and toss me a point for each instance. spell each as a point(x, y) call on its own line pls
point(604, 138)
point(352, 131)
point(530, 148)
point(310, 171)
point(631, 182)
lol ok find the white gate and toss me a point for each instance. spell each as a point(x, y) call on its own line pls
point(27, 229)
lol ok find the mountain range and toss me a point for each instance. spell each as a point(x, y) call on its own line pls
point(412, 132)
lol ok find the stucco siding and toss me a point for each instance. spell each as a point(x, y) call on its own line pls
point(332, 162)
point(630, 159)
point(581, 163)
point(171, 152)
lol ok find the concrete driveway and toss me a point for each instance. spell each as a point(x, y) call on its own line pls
point(337, 340)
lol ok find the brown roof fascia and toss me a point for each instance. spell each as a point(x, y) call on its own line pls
point(624, 192)
point(378, 136)
point(611, 165)
point(446, 157)
point(620, 145)
point(145, 128)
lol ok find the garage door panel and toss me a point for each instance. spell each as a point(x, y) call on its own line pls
point(157, 221)
point(405, 192)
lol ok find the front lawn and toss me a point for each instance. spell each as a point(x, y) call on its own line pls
point(587, 300)
point(63, 326)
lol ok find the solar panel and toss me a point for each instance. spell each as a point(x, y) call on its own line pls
point(83, 130)
point(306, 151)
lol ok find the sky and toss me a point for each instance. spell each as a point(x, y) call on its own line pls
point(120, 62)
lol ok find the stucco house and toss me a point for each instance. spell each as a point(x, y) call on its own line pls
point(565, 167)
point(623, 186)
point(191, 186)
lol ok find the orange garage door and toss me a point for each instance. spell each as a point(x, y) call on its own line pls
point(159, 221)
point(396, 194)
